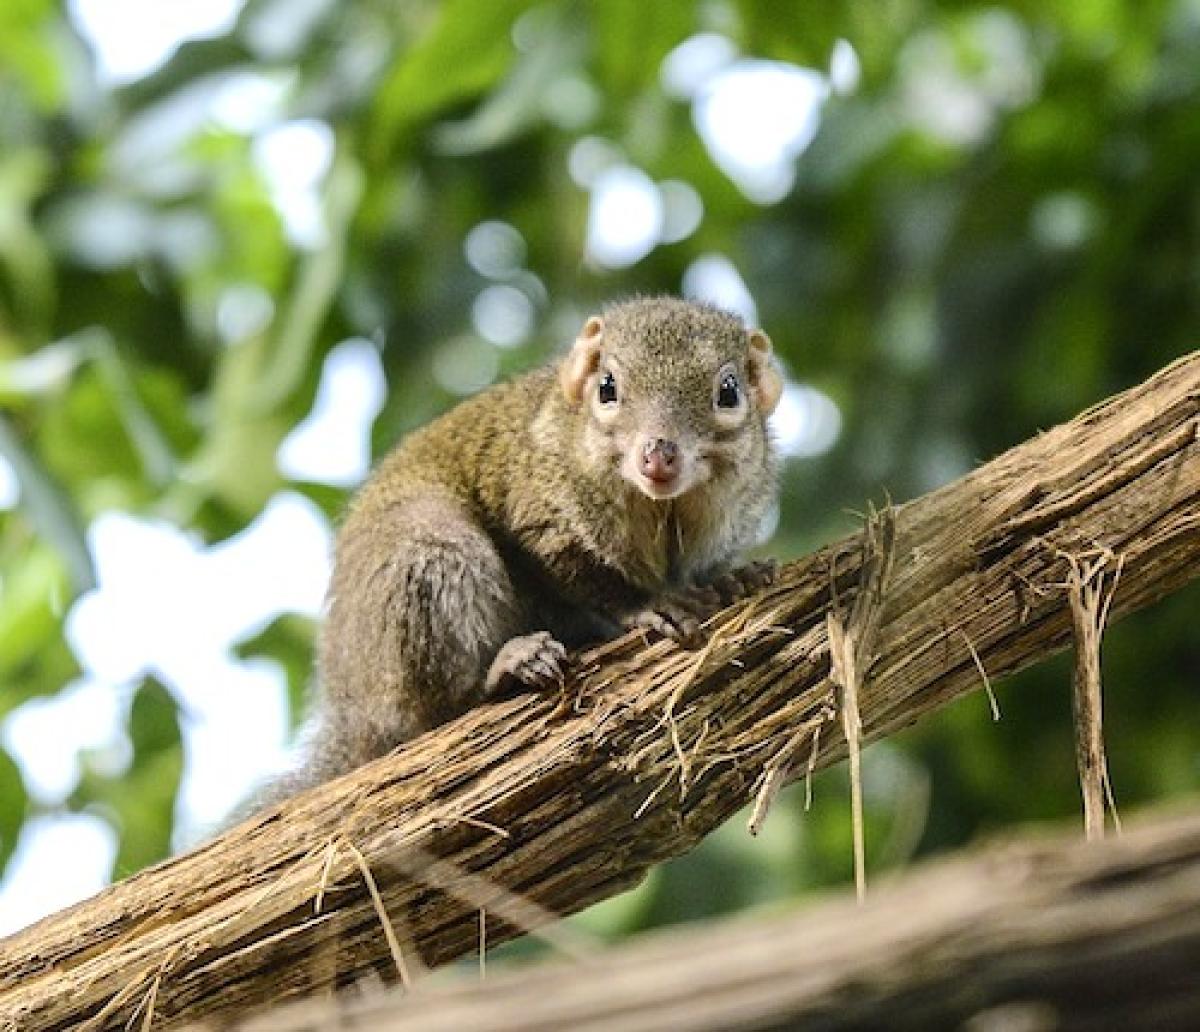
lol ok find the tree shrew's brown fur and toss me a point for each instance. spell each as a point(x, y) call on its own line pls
point(512, 527)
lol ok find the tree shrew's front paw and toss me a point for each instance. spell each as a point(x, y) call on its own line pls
point(531, 661)
point(745, 580)
point(678, 614)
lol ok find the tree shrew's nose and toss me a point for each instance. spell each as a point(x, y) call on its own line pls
point(660, 460)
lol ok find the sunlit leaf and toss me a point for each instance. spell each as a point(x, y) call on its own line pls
point(29, 51)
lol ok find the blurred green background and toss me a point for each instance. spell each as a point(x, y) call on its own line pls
point(245, 246)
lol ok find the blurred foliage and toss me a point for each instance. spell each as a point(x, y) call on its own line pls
point(287, 641)
point(140, 801)
point(999, 225)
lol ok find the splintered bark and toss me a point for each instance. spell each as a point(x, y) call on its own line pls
point(1089, 592)
point(1033, 935)
point(544, 805)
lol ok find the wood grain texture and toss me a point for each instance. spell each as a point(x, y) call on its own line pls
point(1038, 935)
point(568, 801)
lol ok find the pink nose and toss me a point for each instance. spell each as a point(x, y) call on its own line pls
point(659, 460)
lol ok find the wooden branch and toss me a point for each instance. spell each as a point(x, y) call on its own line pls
point(1026, 935)
point(565, 802)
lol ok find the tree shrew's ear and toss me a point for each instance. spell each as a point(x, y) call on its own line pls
point(582, 361)
point(764, 377)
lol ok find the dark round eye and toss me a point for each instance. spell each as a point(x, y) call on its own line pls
point(729, 394)
point(607, 390)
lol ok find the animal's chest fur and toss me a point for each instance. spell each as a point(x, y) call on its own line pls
point(611, 549)
point(658, 544)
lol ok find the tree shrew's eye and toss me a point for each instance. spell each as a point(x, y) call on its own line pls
point(607, 391)
point(728, 393)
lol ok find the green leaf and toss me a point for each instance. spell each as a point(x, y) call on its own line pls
point(791, 32)
point(292, 349)
point(84, 440)
point(518, 102)
point(14, 805)
point(158, 461)
point(805, 34)
point(142, 799)
point(633, 37)
point(42, 373)
point(236, 462)
point(49, 507)
point(193, 61)
point(26, 258)
point(153, 721)
point(466, 49)
point(29, 51)
point(34, 657)
point(288, 641)
point(330, 500)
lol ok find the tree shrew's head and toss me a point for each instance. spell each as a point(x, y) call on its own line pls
point(675, 394)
